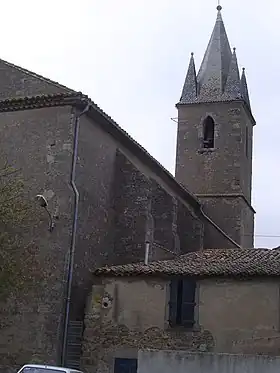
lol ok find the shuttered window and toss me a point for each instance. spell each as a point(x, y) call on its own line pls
point(182, 302)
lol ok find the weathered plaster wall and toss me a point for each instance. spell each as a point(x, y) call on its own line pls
point(242, 315)
point(233, 316)
point(137, 317)
point(183, 361)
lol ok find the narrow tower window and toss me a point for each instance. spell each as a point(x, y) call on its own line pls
point(208, 132)
point(247, 141)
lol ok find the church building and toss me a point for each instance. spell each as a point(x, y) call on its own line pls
point(108, 199)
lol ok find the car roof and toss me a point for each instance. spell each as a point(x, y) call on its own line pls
point(49, 367)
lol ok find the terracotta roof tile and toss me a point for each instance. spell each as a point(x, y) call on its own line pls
point(214, 262)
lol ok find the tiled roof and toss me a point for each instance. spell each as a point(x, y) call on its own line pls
point(214, 262)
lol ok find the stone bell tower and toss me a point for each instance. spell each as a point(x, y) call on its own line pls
point(214, 140)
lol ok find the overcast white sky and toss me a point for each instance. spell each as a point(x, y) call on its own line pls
point(131, 56)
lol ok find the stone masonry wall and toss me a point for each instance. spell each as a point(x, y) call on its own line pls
point(164, 213)
point(190, 230)
point(95, 235)
point(132, 191)
point(113, 194)
point(120, 200)
point(234, 316)
point(125, 325)
point(224, 171)
point(37, 144)
point(227, 212)
point(144, 210)
point(221, 167)
point(16, 82)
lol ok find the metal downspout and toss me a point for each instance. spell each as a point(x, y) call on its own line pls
point(74, 231)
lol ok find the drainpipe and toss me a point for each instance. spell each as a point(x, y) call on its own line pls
point(147, 250)
point(74, 231)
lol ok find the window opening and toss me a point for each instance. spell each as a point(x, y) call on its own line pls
point(247, 141)
point(182, 302)
point(208, 132)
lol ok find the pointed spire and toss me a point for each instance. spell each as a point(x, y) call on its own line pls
point(244, 89)
point(189, 91)
point(232, 88)
point(215, 65)
point(218, 78)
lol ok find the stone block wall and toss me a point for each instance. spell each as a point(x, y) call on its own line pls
point(234, 216)
point(233, 316)
point(31, 313)
point(132, 194)
point(190, 230)
point(219, 177)
point(125, 326)
point(121, 202)
point(16, 82)
point(145, 209)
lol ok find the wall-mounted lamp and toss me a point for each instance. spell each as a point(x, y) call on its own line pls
point(41, 200)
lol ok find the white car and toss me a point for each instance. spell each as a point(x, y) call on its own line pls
point(32, 368)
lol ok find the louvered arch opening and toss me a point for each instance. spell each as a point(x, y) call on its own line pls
point(208, 132)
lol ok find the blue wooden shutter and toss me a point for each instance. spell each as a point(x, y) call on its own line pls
point(125, 365)
point(173, 302)
point(188, 302)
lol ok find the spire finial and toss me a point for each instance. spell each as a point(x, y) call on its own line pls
point(219, 8)
point(192, 54)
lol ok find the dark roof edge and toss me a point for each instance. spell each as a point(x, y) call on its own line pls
point(79, 100)
point(247, 109)
point(99, 273)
